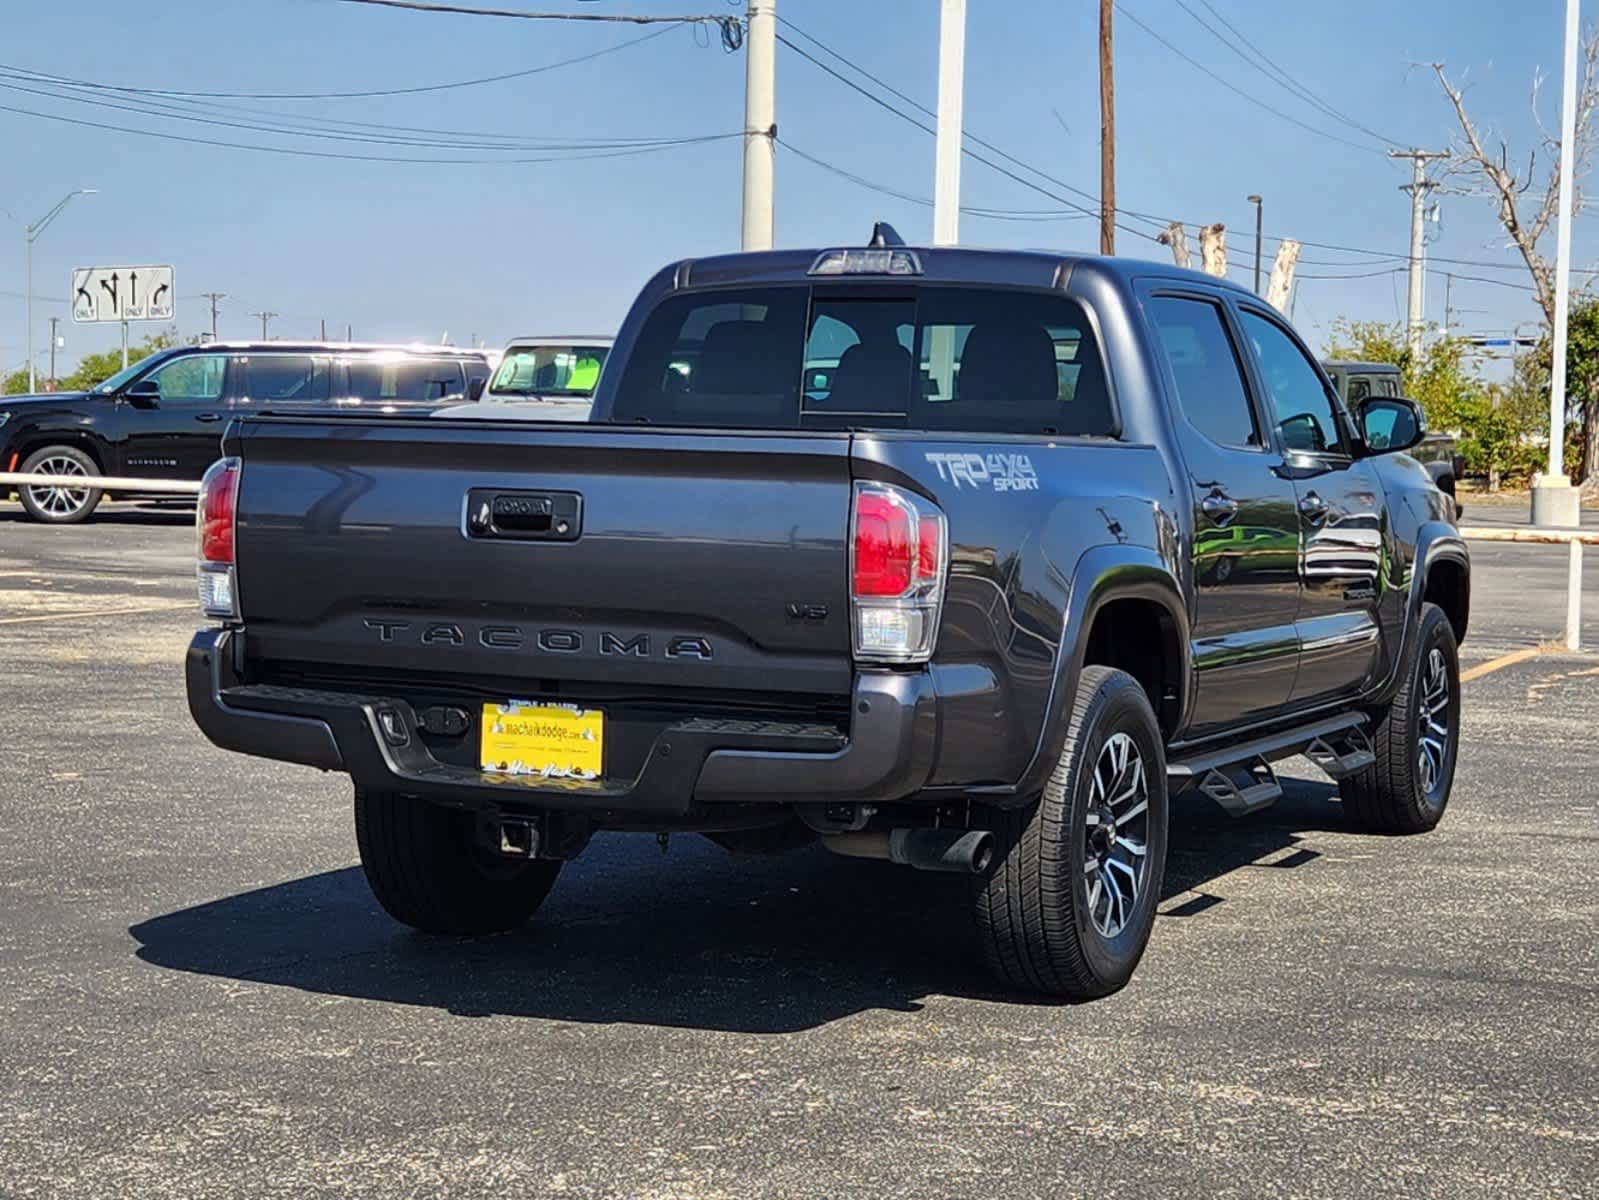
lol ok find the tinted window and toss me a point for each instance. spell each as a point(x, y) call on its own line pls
point(1203, 361)
point(405, 380)
point(1008, 362)
point(549, 371)
point(194, 379)
point(292, 378)
point(858, 358)
point(718, 358)
point(1359, 388)
point(950, 358)
point(1300, 401)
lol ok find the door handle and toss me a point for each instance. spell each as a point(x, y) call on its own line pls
point(1218, 507)
point(208, 417)
point(1312, 505)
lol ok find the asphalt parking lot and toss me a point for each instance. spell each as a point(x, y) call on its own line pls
point(199, 998)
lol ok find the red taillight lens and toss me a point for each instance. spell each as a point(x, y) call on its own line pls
point(883, 550)
point(929, 549)
point(898, 560)
point(218, 506)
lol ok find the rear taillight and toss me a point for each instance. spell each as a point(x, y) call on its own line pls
point(214, 520)
point(899, 551)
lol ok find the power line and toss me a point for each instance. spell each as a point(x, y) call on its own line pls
point(347, 157)
point(354, 95)
point(1272, 71)
point(720, 19)
point(991, 214)
point(1234, 88)
point(967, 151)
point(1089, 197)
point(386, 135)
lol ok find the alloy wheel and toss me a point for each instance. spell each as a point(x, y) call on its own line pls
point(1116, 858)
point(1433, 744)
point(59, 500)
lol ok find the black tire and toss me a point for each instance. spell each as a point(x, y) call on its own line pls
point(427, 872)
point(59, 506)
point(1399, 793)
point(1037, 907)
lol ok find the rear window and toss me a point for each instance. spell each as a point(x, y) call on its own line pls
point(959, 359)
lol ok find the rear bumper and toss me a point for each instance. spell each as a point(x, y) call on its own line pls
point(888, 754)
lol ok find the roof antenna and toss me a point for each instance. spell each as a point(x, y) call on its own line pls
point(884, 234)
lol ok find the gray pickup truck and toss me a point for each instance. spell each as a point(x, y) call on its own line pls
point(966, 560)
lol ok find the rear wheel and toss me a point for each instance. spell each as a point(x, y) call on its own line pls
point(1069, 903)
point(65, 503)
point(1416, 740)
point(427, 870)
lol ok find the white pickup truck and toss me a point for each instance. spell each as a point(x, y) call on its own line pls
point(541, 379)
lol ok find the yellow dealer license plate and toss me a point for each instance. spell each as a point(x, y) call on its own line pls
point(556, 741)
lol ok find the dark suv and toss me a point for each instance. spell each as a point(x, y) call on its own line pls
point(162, 417)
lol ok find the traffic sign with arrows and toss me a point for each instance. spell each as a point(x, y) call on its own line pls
point(121, 294)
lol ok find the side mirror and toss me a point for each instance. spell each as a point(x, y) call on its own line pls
point(146, 393)
point(1391, 423)
point(474, 388)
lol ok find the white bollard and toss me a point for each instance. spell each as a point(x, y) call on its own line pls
point(1574, 596)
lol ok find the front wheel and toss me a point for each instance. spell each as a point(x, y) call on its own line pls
point(67, 502)
point(1069, 903)
point(428, 872)
point(1416, 739)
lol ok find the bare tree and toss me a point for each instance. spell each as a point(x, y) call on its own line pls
point(1526, 216)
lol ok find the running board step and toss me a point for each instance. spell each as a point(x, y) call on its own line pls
point(1342, 754)
point(1242, 788)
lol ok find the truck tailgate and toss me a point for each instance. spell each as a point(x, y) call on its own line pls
point(697, 560)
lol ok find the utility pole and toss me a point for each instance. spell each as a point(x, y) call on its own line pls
point(1258, 203)
point(760, 122)
point(951, 89)
point(1449, 312)
point(213, 297)
point(1554, 500)
point(324, 336)
point(1107, 135)
point(54, 321)
point(1418, 187)
point(265, 317)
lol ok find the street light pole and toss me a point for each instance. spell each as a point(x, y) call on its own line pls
point(1554, 500)
point(1257, 202)
point(947, 142)
point(33, 231)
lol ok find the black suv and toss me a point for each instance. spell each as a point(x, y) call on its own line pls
point(162, 417)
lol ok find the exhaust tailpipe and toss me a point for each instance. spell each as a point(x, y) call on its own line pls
point(963, 851)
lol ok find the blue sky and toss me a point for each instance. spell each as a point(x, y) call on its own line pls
point(414, 250)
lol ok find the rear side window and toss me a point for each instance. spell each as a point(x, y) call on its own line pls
point(405, 380)
point(956, 359)
point(285, 378)
point(1204, 363)
point(991, 361)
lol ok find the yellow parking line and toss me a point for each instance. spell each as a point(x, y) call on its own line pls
point(99, 612)
point(1494, 664)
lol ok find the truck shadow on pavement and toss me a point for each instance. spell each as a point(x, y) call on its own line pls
point(696, 938)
